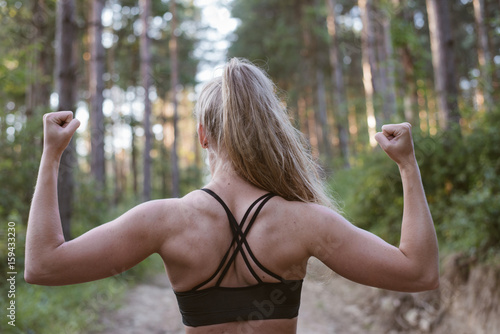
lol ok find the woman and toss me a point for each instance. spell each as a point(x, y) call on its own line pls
point(236, 251)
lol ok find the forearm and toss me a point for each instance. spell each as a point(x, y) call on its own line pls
point(418, 236)
point(44, 232)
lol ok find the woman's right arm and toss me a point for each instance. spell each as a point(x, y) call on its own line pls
point(365, 258)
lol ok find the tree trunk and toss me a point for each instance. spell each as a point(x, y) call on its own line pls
point(368, 61)
point(117, 184)
point(173, 86)
point(38, 90)
point(115, 163)
point(387, 66)
point(338, 83)
point(410, 92)
point(308, 55)
point(66, 90)
point(302, 111)
point(96, 87)
point(443, 61)
point(312, 125)
point(164, 158)
point(484, 92)
point(146, 83)
point(409, 89)
point(133, 161)
point(165, 166)
point(321, 112)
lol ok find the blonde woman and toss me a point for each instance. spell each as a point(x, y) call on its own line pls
point(236, 251)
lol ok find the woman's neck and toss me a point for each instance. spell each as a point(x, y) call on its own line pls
point(224, 176)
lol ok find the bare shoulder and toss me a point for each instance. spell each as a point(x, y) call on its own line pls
point(172, 209)
point(312, 215)
point(195, 200)
point(307, 222)
point(321, 227)
point(162, 216)
point(178, 215)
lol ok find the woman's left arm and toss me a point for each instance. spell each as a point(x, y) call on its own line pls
point(103, 251)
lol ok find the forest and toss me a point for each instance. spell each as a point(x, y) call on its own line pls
point(131, 71)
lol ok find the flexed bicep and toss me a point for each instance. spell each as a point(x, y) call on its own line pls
point(104, 251)
point(363, 257)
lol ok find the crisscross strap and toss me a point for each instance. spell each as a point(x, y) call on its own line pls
point(239, 237)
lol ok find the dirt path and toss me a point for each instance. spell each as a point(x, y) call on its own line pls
point(330, 305)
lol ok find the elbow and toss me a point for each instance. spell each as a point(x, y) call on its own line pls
point(41, 269)
point(424, 276)
point(34, 275)
point(30, 276)
point(431, 283)
point(37, 278)
point(420, 279)
point(427, 281)
point(434, 283)
point(420, 284)
point(432, 276)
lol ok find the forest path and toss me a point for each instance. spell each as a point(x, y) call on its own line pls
point(330, 304)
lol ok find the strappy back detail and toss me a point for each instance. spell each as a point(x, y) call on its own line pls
point(239, 238)
point(219, 304)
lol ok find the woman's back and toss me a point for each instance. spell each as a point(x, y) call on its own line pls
point(205, 235)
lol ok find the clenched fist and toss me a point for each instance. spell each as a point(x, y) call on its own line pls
point(58, 128)
point(396, 141)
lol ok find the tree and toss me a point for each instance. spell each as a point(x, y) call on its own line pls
point(368, 61)
point(385, 63)
point(26, 69)
point(405, 41)
point(130, 120)
point(146, 83)
point(174, 67)
point(443, 61)
point(315, 114)
point(66, 90)
point(39, 72)
point(483, 55)
point(338, 84)
point(96, 87)
point(377, 45)
point(321, 113)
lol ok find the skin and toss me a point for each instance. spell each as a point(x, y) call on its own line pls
point(191, 234)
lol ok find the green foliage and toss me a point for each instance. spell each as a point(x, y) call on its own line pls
point(127, 43)
point(269, 32)
point(191, 179)
point(372, 195)
point(20, 38)
point(20, 155)
point(88, 211)
point(73, 308)
point(70, 309)
point(466, 186)
point(461, 178)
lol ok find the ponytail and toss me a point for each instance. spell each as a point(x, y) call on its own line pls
point(250, 127)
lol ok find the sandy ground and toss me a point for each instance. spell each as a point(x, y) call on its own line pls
point(330, 304)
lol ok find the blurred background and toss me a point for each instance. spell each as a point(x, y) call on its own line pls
point(131, 71)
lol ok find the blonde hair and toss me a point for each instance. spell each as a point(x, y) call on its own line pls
point(249, 127)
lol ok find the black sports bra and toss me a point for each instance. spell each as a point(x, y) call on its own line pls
point(264, 300)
